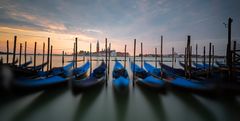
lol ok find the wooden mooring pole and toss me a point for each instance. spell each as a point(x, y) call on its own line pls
point(134, 57)
point(141, 55)
point(7, 51)
point(76, 51)
point(48, 52)
point(43, 56)
point(155, 57)
point(106, 59)
point(51, 59)
point(204, 57)
point(25, 52)
point(14, 49)
point(172, 57)
point(90, 57)
point(109, 58)
point(34, 56)
point(20, 55)
point(62, 58)
point(209, 58)
point(125, 56)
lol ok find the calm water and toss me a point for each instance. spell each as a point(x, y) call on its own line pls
point(105, 105)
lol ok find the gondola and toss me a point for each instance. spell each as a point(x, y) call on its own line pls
point(25, 64)
point(156, 72)
point(96, 78)
point(120, 77)
point(146, 80)
point(220, 64)
point(193, 68)
point(50, 81)
point(201, 66)
point(182, 83)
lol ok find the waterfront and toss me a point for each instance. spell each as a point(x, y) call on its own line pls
point(105, 105)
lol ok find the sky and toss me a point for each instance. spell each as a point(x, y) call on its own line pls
point(120, 21)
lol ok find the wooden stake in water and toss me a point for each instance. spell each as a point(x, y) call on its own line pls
point(51, 57)
point(25, 52)
point(7, 51)
point(125, 56)
point(34, 57)
point(134, 55)
point(185, 62)
point(106, 60)
point(14, 49)
point(209, 58)
point(76, 47)
point(48, 52)
point(62, 58)
point(213, 61)
point(73, 55)
point(90, 57)
point(161, 49)
point(43, 56)
point(141, 55)
point(204, 57)
point(190, 62)
point(20, 55)
point(109, 55)
point(155, 57)
point(172, 57)
point(196, 53)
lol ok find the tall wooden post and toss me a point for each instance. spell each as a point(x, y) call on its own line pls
point(190, 62)
point(125, 56)
point(141, 55)
point(229, 57)
point(204, 57)
point(73, 55)
point(213, 60)
point(155, 57)
point(161, 49)
point(7, 51)
point(134, 55)
point(233, 69)
point(106, 60)
point(48, 52)
point(34, 56)
point(62, 58)
point(109, 55)
point(43, 56)
point(51, 57)
point(196, 53)
point(90, 57)
point(76, 52)
point(25, 52)
point(185, 62)
point(209, 58)
point(172, 57)
point(20, 55)
point(14, 49)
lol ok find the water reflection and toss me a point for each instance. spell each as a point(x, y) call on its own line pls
point(195, 105)
point(88, 97)
point(121, 104)
point(154, 100)
point(42, 100)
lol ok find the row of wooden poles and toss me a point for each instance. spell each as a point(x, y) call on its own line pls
point(49, 53)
